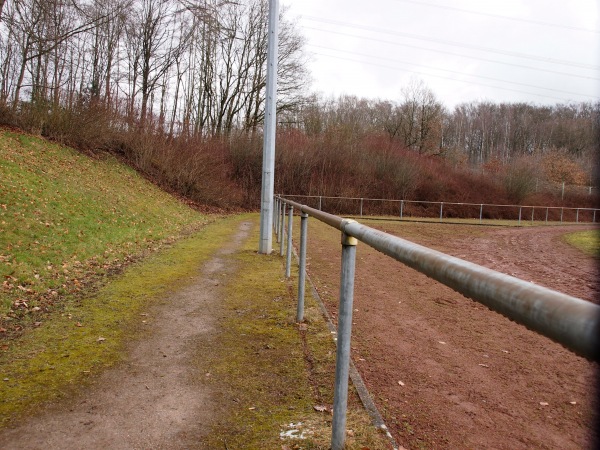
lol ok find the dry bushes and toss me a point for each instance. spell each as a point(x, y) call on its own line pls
point(199, 169)
point(226, 171)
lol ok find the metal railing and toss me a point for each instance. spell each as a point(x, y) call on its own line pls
point(362, 206)
point(570, 321)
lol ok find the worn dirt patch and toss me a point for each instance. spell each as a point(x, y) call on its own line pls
point(470, 378)
point(154, 399)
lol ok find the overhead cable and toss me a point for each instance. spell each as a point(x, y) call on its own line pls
point(447, 42)
point(453, 71)
point(498, 16)
point(444, 52)
point(562, 99)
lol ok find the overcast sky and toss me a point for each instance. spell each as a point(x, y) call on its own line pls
point(536, 51)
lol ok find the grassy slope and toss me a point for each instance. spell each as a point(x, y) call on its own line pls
point(65, 217)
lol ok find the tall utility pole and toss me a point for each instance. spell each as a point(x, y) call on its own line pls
point(268, 171)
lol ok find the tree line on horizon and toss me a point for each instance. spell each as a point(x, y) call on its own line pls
point(177, 87)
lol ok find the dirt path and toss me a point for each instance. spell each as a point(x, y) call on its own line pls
point(469, 377)
point(153, 400)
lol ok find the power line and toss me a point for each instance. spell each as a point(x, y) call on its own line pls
point(498, 16)
point(447, 42)
point(562, 99)
point(453, 71)
point(444, 52)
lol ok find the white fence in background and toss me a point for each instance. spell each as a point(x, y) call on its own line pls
point(446, 211)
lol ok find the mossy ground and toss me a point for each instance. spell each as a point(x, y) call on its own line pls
point(270, 371)
point(586, 241)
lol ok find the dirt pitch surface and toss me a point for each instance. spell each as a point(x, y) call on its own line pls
point(447, 372)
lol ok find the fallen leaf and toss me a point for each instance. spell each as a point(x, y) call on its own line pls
point(441, 342)
point(78, 324)
point(483, 365)
point(320, 408)
point(573, 403)
point(544, 403)
point(400, 383)
point(100, 339)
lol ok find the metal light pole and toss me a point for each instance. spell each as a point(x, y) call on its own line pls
point(268, 173)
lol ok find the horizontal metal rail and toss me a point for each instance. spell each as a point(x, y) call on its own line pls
point(570, 321)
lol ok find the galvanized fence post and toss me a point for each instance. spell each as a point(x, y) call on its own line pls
point(561, 214)
point(273, 218)
point(520, 210)
point(594, 217)
point(546, 215)
point(276, 218)
point(441, 210)
point(288, 259)
point(281, 231)
point(280, 207)
point(320, 202)
point(302, 269)
point(532, 213)
point(340, 396)
point(577, 216)
point(401, 208)
point(480, 213)
point(361, 206)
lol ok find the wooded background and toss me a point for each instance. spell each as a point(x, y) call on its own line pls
point(177, 88)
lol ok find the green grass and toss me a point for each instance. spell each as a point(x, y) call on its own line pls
point(66, 217)
point(586, 241)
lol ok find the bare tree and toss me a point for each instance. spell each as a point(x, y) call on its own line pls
point(1, 8)
point(421, 114)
